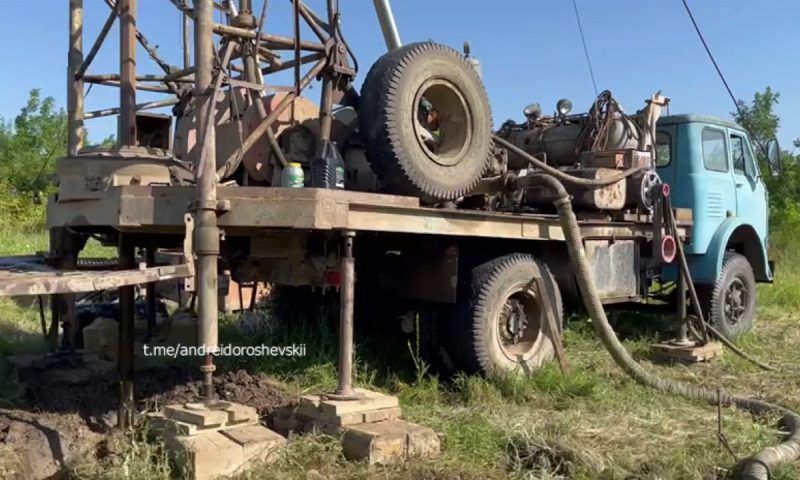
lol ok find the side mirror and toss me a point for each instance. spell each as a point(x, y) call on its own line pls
point(774, 157)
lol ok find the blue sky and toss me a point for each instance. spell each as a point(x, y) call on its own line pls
point(530, 49)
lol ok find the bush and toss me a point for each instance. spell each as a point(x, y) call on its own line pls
point(19, 210)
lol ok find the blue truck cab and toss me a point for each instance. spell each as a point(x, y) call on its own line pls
point(711, 167)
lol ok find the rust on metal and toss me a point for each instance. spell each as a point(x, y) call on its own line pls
point(127, 72)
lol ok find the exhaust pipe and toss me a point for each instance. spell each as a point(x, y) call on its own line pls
point(388, 26)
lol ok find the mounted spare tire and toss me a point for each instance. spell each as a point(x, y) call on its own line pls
point(425, 121)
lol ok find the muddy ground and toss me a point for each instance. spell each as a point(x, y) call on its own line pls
point(66, 410)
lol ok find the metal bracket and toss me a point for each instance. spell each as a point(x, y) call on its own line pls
point(188, 242)
point(552, 326)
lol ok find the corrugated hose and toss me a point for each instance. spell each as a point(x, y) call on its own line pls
point(755, 467)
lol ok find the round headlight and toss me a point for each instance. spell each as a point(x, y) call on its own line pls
point(564, 106)
point(533, 111)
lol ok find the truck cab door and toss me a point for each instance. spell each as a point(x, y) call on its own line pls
point(751, 195)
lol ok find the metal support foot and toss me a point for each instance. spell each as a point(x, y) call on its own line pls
point(344, 390)
point(127, 260)
point(683, 329)
point(150, 290)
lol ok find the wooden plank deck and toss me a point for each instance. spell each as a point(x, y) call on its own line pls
point(248, 210)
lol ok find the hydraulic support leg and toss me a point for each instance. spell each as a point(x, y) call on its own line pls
point(151, 295)
point(344, 390)
point(683, 328)
point(127, 260)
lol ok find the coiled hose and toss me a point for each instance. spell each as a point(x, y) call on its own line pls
point(755, 467)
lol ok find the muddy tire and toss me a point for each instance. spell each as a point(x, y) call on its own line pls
point(435, 162)
point(731, 302)
point(500, 324)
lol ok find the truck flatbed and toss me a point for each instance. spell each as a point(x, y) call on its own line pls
point(248, 210)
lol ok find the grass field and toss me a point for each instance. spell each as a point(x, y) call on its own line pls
point(591, 423)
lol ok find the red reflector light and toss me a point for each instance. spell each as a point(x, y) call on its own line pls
point(668, 249)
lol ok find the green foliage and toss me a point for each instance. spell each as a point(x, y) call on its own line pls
point(30, 145)
point(760, 120)
point(20, 209)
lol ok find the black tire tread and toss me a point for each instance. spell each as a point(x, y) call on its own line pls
point(731, 260)
point(472, 354)
point(377, 119)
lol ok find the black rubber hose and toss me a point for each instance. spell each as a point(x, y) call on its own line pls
point(520, 182)
point(756, 467)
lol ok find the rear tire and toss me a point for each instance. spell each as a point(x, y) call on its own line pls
point(409, 155)
point(500, 324)
point(731, 304)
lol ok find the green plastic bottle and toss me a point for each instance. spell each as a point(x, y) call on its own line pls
point(292, 176)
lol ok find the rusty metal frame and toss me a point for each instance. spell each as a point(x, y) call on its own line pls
point(242, 40)
point(31, 275)
point(326, 53)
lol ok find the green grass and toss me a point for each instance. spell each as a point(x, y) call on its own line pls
point(593, 422)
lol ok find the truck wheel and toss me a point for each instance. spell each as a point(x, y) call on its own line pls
point(732, 303)
point(425, 120)
point(503, 324)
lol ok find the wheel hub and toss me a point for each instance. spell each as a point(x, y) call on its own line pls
point(513, 322)
point(443, 122)
point(736, 301)
point(518, 326)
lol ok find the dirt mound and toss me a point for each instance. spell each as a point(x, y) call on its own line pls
point(39, 444)
point(181, 386)
point(94, 397)
point(68, 408)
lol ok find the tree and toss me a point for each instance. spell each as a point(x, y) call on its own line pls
point(758, 118)
point(762, 123)
point(30, 145)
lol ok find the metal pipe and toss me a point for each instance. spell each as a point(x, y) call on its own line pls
point(125, 360)
point(177, 74)
point(101, 37)
point(388, 26)
point(74, 84)
point(313, 23)
point(347, 299)
point(311, 57)
point(142, 106)
point(206, 242)
point(127, 72)
point(183, 6)
point(187, 52)
point(325, 111)
point(683, 328)
point(139, 86)
point(150, 290)
point(152, 52)
point(266, 37)
point(115, 76)
point(296, 71)
point(245, 7)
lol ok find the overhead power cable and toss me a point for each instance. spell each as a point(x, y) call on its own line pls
point(585, 50)
point(711, 56)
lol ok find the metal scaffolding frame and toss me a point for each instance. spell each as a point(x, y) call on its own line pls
point(239, 53)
